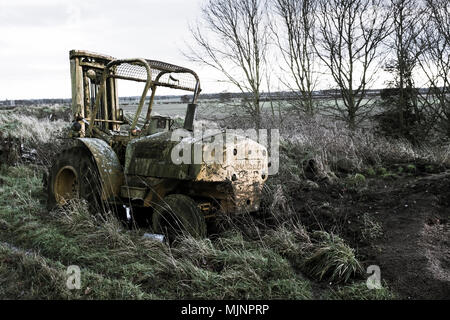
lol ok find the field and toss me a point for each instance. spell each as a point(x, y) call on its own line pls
point(207, 108)
point(340, 203)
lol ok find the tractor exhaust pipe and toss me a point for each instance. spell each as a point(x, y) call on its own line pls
point(190, 117)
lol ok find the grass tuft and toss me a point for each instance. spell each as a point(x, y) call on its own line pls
point(331, 259)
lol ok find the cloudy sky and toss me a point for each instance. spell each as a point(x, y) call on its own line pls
point(36, 36)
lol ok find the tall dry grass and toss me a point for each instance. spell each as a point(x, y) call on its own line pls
point(30, 128)
point(249, 259)
point(334, 147)
point(39, 130)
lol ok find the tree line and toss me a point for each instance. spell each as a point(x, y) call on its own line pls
point(301, 44)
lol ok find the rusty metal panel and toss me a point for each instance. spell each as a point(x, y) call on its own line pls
point(151, 157)
point(108, 164)
point(246, 172)
point(77, 87)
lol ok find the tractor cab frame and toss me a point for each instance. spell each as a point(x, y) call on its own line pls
point(95, 100)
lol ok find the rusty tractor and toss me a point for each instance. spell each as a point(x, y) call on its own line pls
point(115, 160)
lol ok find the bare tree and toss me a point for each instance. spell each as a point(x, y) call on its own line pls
point(349, 35)
point(295, 39)
point(403, 113)
point(435, 61)
point(233, 39)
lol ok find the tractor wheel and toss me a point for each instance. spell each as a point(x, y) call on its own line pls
point(177, 214)
point(74, 175)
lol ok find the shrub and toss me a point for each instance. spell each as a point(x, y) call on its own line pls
point(356, 180)
point(371, 172)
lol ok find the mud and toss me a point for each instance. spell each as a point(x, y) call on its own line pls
point(413, 211)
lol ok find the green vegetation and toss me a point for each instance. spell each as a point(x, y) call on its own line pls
point(119, 263)
point(372, 229)
point(371, 172)
point(359, 291)
point(279, 259)
point(411, 168)
point(356, 180)
point(116, 263)
point(331, 259)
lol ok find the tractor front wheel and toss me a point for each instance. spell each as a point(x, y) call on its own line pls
point(74, 175)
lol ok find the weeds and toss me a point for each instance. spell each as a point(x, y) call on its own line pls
point(356, 181)
point(29, 128)
point(371, 228)
point(28, 275)
point(359, 291)
point(331, 259)
point(120, 263)
point(251, 259)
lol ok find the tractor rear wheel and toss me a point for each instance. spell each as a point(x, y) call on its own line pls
point(74, 175)
point(178, 214)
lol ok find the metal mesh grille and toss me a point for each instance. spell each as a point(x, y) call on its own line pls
point(131, 71)
point(169, 75)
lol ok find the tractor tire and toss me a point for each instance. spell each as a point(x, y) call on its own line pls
point(178, 214)
point(74, 175)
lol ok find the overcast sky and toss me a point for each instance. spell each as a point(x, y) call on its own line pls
point(36, 36)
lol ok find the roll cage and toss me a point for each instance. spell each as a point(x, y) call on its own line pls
point(92, 68)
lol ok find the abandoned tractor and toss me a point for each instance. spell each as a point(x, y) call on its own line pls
point(121, 161)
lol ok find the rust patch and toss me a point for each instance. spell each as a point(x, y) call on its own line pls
point(108, 164)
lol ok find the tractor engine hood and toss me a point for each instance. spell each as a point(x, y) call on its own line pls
point(243, 160)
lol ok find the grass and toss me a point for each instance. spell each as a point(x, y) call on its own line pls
point(29, 275)
point(332, 259)
point(29, 128)
point(372, 229)
point(113, 257)
point(356, 181)
point(411, 168)
point(359, 291)
point(117, 263)
point(250, 260)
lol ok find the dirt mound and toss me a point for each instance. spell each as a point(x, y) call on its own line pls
point(412, 212)
point(415, 251)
